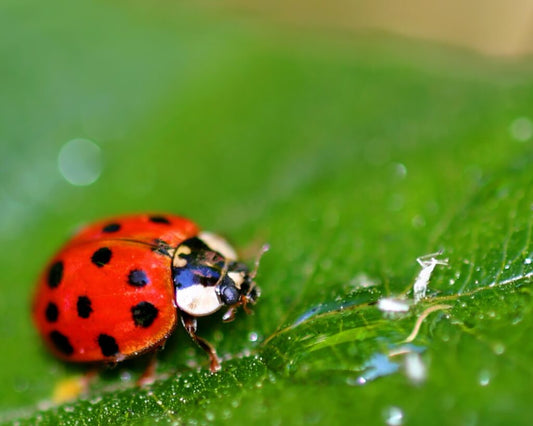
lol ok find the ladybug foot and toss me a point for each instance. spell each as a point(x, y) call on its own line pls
point(191, 325)
point(214, 365)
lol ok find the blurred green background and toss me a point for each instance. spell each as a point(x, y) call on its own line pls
point(352, 152)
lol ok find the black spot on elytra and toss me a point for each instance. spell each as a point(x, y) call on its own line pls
point(61, 343)
point(108, 345)
point(101, 257)
point(112, 227)
point(144, 314)
point(51, 313)
point(138, 278)
point(159, 219)
point(84, 307)
point(55, 274)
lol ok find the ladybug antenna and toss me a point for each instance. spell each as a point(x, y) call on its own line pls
point(264, 249)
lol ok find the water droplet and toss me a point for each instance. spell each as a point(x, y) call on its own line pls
point(125, 376)
point(362, 280)
point(95, 400)
point(393, 416)
point(521, 129)
point(506, 266)
point(451, 282)
point(528, 261)
point(389, 304)
point(80, 162)
point(209, 416)
point(517, 319)
point(418, 221)
point(352, 381)
point(253, 336)
point(484, 377)
point(415, 369)
point(400, 170)
point(498, 348)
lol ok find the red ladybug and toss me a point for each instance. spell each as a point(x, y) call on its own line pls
point(118, 287)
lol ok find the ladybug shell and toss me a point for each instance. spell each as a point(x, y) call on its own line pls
point(108, 294)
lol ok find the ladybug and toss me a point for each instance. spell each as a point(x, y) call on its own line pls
point(117, 289)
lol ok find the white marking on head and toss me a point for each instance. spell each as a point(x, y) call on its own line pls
point(237, 278)
point(218, 244)
point(180, 262)
point(198, 300)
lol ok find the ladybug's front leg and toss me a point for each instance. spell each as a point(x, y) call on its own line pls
point(191, 325)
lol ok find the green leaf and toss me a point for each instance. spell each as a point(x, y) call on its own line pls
point(350, 159)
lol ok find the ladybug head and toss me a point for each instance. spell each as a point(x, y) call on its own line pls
point(207, 276)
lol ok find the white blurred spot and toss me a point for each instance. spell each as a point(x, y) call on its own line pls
point(400, 170)
point(80, 162)
point(362, 280)
point(415, 369)
point(393, 305)
point(484, 378)
point(521, 129)
point(394, 416)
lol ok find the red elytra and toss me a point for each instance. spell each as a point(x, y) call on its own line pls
point(118, 287)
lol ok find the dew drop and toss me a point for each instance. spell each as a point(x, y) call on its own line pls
point(484, 377)
point(415, 368)
point(521, 129)
point(253, 337)
point(400, 170)
point(125, 376)
point(393, 416)
point(352, 381)
point(528, 261)
point(498, 348)
point(80, 162)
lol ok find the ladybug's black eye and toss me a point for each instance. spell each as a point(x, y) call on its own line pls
point(229, 294)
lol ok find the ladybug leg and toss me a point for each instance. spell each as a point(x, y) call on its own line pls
point(148, 376)
point(191, 325)
point(229, 315)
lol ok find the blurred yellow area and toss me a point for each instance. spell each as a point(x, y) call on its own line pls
point(488, 26)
